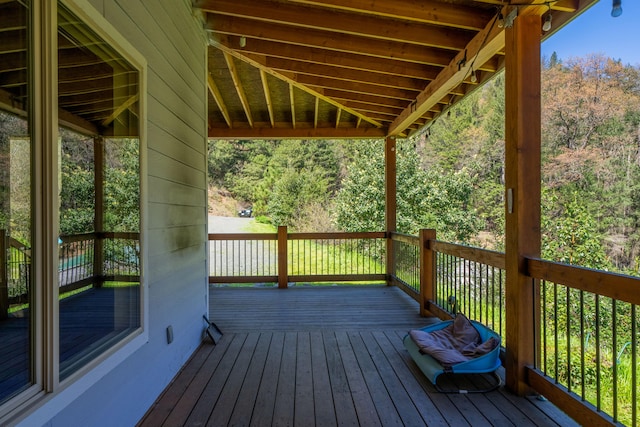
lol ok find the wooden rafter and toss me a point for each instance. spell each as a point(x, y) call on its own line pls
point(237, 82)
point(356, 61)
point(341, 23)
point(356, 87)
point(330, 71)
point(121, 108)
point(315, 112)
point(231, 25)
point(428, 12)
point(292, 101)
point(217, 97)
point(483, 46)
point(267, 96)
point(290, 79)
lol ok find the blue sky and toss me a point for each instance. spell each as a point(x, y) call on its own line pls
point(596, 31)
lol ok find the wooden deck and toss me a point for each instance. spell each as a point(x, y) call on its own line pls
point(89, 323)
point(325, 356)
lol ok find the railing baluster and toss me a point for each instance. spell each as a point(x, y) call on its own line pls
point(614, 345)
point(634, 366)
point(568, 332)
point(555, 329)
point(598, 357)
point(582, 347)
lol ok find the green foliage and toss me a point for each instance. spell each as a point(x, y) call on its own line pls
point(425, 199)
point(570, 234)
point(122, 186)
point(359, 205)
point(281, 180)
point(77, 191)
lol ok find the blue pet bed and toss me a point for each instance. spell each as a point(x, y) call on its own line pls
point(432, 365)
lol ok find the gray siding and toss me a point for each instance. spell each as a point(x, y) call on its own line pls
point(171, 40)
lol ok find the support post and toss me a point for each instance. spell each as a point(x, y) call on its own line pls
point(4, 276)
point(427, 270)
point(283, 263)
point(390, 201)
point(522, 187)
point(98, 226)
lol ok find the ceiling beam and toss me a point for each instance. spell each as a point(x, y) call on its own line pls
point(298, 133)
point(424, 11)
point(66, 119)
point(343, 23)
point(340, 59)
point(570, 6)
point(347, 74)
point(250, 29)
point(356, 87)
point(483, 46)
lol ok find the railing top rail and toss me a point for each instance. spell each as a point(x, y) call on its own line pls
point(243, 236)
point(17, 244)
point(484, 256)
point(338, 235)
point(133, 235)
point(405, 238)
point(298, 236)
point(617, 286)
point(68, 238)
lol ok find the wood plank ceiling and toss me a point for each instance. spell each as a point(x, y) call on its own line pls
point(295, 68)
point(97, 88)
point(352, 68)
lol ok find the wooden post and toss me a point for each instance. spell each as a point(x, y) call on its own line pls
point(98, 226)
point(390, 201)
point(283, 264)
point(522, 186)
point(427, 270)
point(4, 276)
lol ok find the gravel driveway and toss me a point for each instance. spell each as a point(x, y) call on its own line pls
point(228, 224)
point(239, 258)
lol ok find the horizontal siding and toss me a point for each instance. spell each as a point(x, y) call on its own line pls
point(163, 166)
point(173, 193)
point(176, 216)
point(166, 33)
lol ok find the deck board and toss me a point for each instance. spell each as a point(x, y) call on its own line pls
point(324, 357)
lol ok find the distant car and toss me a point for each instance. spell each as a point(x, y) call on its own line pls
point(246, 213)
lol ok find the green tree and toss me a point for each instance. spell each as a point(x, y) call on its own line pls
point(425, 199)
point(570, 234)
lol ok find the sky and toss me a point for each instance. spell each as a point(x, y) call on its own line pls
point(596, 31)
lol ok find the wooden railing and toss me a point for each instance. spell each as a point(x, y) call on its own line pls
point(285, 258)
point(84, 259)
point(587, 340)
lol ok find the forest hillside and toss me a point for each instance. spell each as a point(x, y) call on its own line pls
point(451, 176)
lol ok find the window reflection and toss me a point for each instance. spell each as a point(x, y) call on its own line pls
point(15, 202)
point(99, 265)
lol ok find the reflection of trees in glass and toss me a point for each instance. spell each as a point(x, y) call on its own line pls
point(15, 160)
point(77, 193)
point(121, 185)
